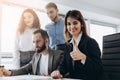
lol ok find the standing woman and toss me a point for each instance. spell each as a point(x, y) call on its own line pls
point(24, 48)
point(83, 58)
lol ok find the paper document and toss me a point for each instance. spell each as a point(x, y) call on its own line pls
point(26, 77)
point(32, 77)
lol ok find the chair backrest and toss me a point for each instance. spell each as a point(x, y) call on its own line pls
point(111, 56)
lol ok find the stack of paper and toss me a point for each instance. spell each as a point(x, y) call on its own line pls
point(26, 77)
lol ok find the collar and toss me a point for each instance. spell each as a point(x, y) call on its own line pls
point(78, 39)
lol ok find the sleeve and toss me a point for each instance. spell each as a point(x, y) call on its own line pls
point(94, 54)
point(93, 65)
point(63, 65)
point(23, 70)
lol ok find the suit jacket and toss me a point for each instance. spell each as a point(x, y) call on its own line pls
point(92, 68)
point(55, 57)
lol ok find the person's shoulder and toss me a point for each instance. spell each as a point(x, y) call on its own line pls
point(61, 20)
point(35, 55)
point(57, 52)
point(48, 25)
point(91, 40)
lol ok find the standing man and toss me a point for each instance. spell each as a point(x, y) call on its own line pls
point(56, 27)
point(44, 61)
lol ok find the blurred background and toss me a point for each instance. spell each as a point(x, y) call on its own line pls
point(102, 18)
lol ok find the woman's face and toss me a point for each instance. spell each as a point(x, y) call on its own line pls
point(73, 26)
point(28, 19)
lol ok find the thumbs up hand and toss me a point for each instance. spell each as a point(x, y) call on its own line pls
point(76, 54)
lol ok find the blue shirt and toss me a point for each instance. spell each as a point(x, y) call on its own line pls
point(55, 32)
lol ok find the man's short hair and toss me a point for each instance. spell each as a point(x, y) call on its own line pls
point(43, 33)
point(51, 4)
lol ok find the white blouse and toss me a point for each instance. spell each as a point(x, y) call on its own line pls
point(23, 42)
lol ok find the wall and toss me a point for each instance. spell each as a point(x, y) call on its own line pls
point(118, 29)
point(89, 11)
point(0, 22)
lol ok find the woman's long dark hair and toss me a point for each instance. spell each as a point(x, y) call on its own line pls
point(78, 16)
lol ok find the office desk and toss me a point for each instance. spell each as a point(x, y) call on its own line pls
point(31, 77)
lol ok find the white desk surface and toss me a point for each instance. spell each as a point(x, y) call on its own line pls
point(31, 77)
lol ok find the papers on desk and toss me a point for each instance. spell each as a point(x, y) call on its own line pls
point(32, 77)
point(26, 77)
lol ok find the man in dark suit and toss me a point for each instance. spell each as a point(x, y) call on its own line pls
point(45, 59)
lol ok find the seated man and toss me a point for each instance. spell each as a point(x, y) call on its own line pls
point(44, 61)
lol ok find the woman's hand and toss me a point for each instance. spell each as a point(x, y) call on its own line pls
point(56, 74)
point(76, 54)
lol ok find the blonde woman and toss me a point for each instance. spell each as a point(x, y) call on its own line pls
point(24, 48)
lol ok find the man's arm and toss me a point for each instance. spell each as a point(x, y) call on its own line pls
point(23, 70)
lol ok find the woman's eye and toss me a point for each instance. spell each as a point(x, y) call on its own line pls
point(75, 23)
point(68, 24)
